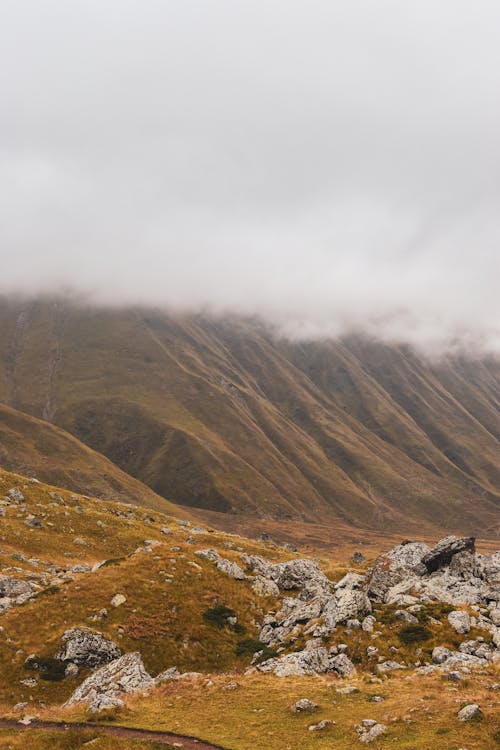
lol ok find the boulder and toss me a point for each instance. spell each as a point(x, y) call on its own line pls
point(14, 587)
point(442, 553)
point(342, 665)
point(231, 569)
point(471, 711)
point(307, 662)
point(351, 603)
point(299, 575)
point(370, 731)
point(304, 705)
point(264, 587)
point(86, 648)
point(106, 687)
point(459, 621)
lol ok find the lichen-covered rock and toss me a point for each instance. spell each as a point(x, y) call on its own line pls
point(342, 665)
point(299, 575)
point(14, 587)
point(264, 587)
point(106, 686)
point(304, 705)
point(471, 711)
point(389, 666)
point(370, 733)
point(230, 568)
point(442, 553)
point(459, 621)
point(307, 662)
point(87, 648)
point(351, 603)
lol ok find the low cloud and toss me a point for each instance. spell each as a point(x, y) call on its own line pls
point(328, 166)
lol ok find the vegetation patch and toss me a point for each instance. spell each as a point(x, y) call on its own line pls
point(223, 617)
point(414, 634)
point(52, 670)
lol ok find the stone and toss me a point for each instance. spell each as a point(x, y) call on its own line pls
point(442, 553)
point(304, 705)
point(264, 587)
point(118, 600)
point(368, 623)
point(459, 621)
point(307, 662)
point(299, 575)
point(86, 648)
point(342, 665)
point(33, 522)
point(389, 666)
point(440, 654)
point(16, 495)
point(370, 734)
point(231, 569)
point(351, 603)
point(106, 687)
point(358, 558)
point(14, 587)
point(324, 724)
point(404, 616)
point(469, 712)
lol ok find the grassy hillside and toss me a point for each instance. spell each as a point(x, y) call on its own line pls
point(151, 560)
point(221, 416)
point(38, 449)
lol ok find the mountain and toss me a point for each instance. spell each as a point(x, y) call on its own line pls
point(223, 416)
point(38, 449)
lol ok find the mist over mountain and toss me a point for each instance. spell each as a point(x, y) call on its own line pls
point(331, 168)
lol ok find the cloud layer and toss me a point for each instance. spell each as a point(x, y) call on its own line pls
point(330, 166)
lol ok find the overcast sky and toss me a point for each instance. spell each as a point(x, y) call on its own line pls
point(330, 164)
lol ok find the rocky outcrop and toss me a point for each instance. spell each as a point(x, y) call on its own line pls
point(87, 648)
point(441, 554)
point(106, 687)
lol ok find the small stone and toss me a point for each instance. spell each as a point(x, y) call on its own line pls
point(469, 712)
point(304, 705)
point(320, 725)
point(118, 599)
point(459, 621)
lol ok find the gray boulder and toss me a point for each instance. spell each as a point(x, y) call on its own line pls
point(351, 603)
point(304, 705)
point(106, 687)
point(442, 553)
point(471, 711)
point(459, 621)
point(87, 648)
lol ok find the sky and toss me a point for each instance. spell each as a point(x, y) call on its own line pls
point(330, 165)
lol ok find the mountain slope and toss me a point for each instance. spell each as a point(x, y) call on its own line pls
point(36, 448)
point(218, 414)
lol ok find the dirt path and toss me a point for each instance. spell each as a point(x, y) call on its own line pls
point(166, 738)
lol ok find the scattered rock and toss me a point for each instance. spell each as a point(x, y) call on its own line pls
point(105, 687)
point(469, 712)
point(86, 648)
point(370, 730)
point(459, 621)
point(118, 599)
point(441, 554)
point(324, 724)
point(304, 705)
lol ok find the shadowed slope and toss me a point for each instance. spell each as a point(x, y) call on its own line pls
point(36, 448)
